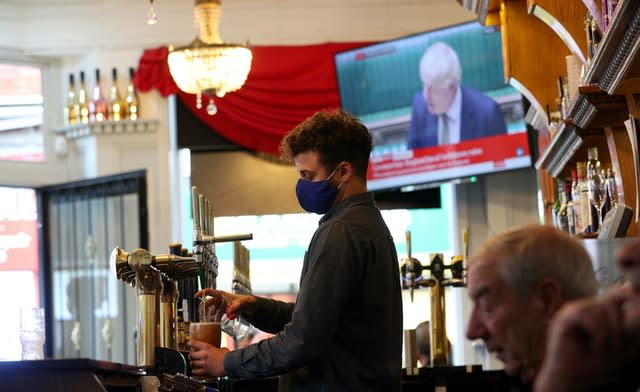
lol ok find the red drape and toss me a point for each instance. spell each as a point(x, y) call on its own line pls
point(286, 84)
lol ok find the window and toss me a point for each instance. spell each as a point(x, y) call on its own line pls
point(19, 275)
point(21, 136)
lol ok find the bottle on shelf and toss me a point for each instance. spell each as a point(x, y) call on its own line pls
point(562, 217)
point(571, 208)
point(597, 186)
point(83, 100)
point(72, 108)
point(612, 188)
point(133, 105)
point(563, 102)
point(575, 200)
point(567, 212)
point(606, 205)
point(117, 106)
point(583, 198)
point(555, 209)
point(98, 107)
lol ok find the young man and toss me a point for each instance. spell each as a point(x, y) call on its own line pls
point(344, 332)
point(517, 281)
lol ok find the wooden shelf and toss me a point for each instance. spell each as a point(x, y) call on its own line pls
point(600, 104)
point(617, 55)
point(609, 93)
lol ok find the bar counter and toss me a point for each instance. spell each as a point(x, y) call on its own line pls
point(69, 375)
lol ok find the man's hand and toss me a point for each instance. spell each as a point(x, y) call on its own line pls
point(206, 360)
point(592, 344)
point(234, 303)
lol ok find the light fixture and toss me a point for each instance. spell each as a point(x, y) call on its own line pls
point(152, 17)
point(208, 66)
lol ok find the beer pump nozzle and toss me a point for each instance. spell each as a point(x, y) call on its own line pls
point(411, 269)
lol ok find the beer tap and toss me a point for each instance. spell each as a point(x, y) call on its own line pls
point(203, 238)
point(411, 271)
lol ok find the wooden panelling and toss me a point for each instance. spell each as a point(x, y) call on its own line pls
point(533, 54)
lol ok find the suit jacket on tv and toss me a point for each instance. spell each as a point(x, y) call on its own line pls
point(480, 116)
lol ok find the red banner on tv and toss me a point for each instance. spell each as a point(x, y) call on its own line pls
point(467, 158)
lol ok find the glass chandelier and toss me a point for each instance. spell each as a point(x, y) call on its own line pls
point(208, 66)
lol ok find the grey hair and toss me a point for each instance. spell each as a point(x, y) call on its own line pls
point(528, 254)
point(440, 64)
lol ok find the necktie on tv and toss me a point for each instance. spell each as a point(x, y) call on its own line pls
point(443, 130)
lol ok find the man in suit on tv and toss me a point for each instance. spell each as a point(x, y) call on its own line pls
point(446, 112)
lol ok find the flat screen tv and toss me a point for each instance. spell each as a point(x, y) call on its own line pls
point(382, 85)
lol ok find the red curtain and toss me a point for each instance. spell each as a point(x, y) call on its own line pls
point(286, 85)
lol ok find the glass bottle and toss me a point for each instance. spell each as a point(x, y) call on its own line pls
point(98, 107)
point(83, 100)
point(567, 211)
point(606, 205)
point(117, 106)
point(555, 209)
point(133, 105)
point(583, 198)
point(562, 218)
point(596, 185)
point(575, 199)
point(72, 108)
point(612, 188)
point(563, 103)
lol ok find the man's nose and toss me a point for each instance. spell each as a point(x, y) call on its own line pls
point(475, 327)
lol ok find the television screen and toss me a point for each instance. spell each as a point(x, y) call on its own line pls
point(437, 106)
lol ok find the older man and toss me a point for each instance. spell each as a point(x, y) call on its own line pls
point(517, 281)
point(594, 345)
point(447, 112)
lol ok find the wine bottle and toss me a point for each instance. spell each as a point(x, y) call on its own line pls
point(98, 107)
point(117, 106)
point(83, 100)
point(72, 108)
point(133, 105)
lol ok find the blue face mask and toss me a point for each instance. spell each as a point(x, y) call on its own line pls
point(316, 196)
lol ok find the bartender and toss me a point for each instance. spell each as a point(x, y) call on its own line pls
point(344, 332)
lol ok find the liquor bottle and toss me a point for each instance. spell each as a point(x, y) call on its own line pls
point(83, 100)
point(555, 209)
point(117, 106)
point(566, 215)
point(133, 105)
point(596, 184)
point(583, 197)
point(562, 219)
point(98, 107)
point(575, 197)
point(606, 205)
point(563, 103)
point(612, 188)
point(72, 108)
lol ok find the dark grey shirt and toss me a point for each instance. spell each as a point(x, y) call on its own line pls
point(344, 333)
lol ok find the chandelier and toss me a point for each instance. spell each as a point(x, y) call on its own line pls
point(208, 66)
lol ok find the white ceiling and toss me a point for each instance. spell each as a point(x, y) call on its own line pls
point(60, 27)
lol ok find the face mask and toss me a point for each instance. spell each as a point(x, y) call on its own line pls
point(316, 196)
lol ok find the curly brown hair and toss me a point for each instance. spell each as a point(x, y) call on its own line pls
point(336, 135)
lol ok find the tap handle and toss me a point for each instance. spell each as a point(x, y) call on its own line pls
point(195, 213)
point(408, 242)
